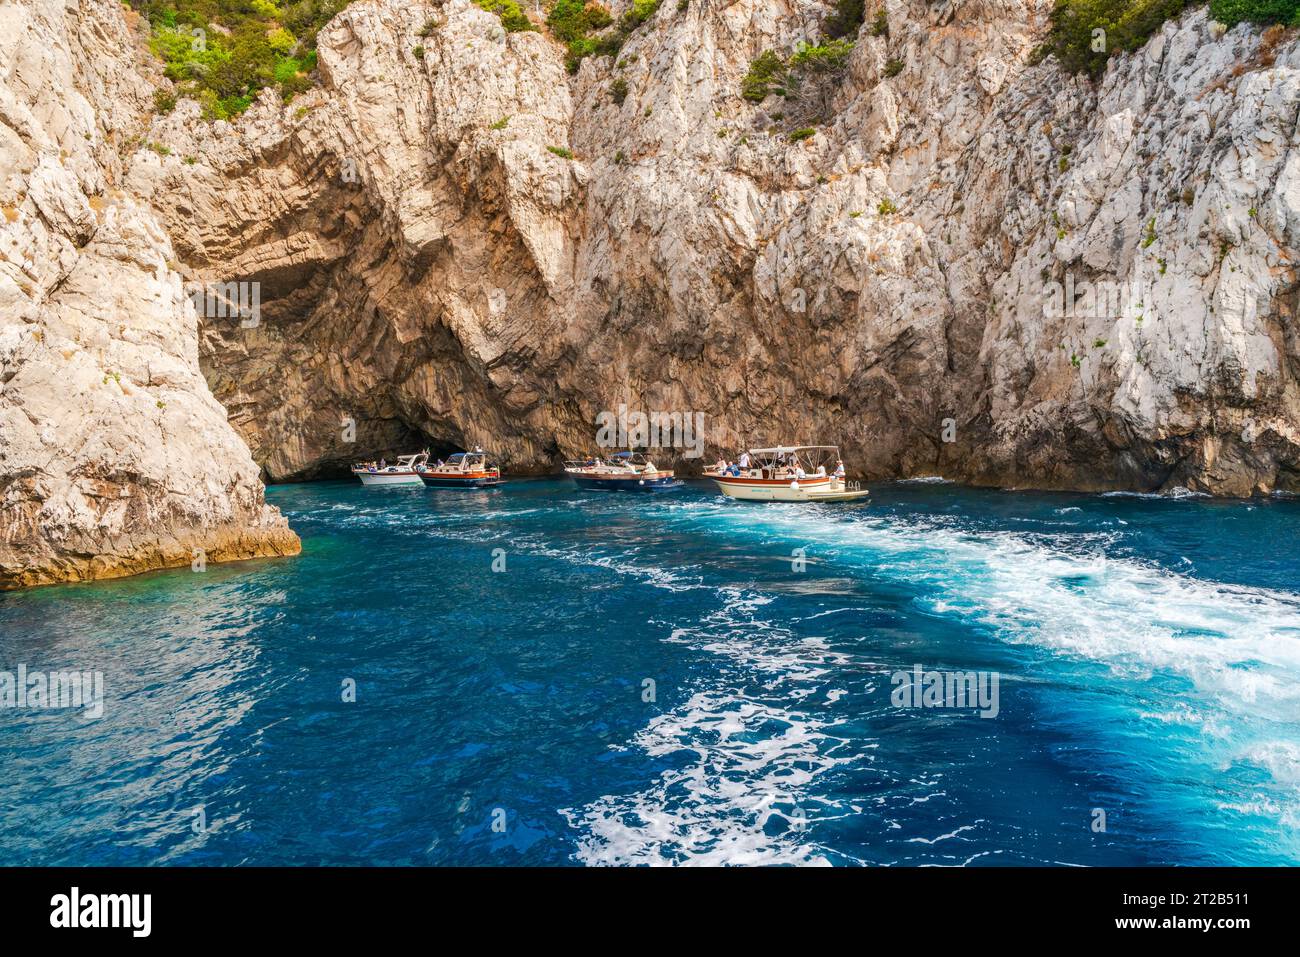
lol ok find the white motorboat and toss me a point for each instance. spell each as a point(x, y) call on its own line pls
point(406, 471)
point(788, 473)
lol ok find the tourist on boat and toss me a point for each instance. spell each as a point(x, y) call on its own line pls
point(821, 471)
point(650, 467)
point(721, 466)
point(744, 460)
point(839, 469)
point(799, 472)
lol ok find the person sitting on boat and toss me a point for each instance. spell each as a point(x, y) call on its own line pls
point(839, 468)
point(383, 463)
point(799, 473)
point(650, 467)
point(821, 471)
point(721, 466)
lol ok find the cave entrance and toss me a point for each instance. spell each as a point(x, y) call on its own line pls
point(371, 440)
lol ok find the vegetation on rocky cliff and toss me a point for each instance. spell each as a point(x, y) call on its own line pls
point(513, 18)
point(1233, 12)
point(1084, 33)
point(589, 30)
point(224, 52)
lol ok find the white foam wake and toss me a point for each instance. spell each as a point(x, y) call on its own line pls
point(741, 789)
point(1240, 644)
point(1237, 647)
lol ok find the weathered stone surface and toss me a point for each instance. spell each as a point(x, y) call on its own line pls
point(114, 456)
point(433, 270)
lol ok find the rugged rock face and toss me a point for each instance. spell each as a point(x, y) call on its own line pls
point(114, 456)
point(430, 268)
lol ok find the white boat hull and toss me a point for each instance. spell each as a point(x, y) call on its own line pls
point(390, 478)
point(773, 490)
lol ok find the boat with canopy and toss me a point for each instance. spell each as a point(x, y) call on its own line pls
point(788, 473)
point(621, 472)
point(405, 472)
point(463, 470)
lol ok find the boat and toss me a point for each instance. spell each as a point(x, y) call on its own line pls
point(787, 473)
point(405, 472)
point(463, 470)
point(622, 472)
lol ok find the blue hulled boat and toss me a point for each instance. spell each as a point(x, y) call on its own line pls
point(622, 472)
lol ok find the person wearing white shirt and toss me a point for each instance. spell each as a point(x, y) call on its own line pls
point(744, 460)
point(839, 469)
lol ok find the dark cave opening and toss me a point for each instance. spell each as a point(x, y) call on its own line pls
point(373, 440)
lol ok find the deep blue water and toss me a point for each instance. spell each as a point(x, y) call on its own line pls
point(1148, 653)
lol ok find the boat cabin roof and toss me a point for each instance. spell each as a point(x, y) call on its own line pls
point(786, 449)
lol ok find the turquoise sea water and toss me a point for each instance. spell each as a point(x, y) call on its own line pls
point(1148, 653)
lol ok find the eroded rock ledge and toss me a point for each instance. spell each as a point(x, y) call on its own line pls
point(114, 456)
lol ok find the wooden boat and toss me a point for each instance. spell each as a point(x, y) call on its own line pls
point(622, 472)
point(463, 470)
point(787, 473)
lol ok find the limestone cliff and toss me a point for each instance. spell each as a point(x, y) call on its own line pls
point(431, 268)
point(114, 456)
point(1081, 285)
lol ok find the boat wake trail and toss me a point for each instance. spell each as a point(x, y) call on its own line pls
point(750, 762)
point(745, 758)
point(1225, 658)
point(1240, 645)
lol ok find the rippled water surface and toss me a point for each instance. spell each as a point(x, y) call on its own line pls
point(1148, 653)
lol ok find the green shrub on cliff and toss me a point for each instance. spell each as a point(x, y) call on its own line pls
point(766, 72)
point(822, 57)
point(224, 52)
point(640, 12)
point(589, 30)
point(573, 19)
point(513, 19)
point(1084, 33)
point(1233, 12)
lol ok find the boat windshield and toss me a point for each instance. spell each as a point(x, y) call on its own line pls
point(466, 461)
point(790, 458)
